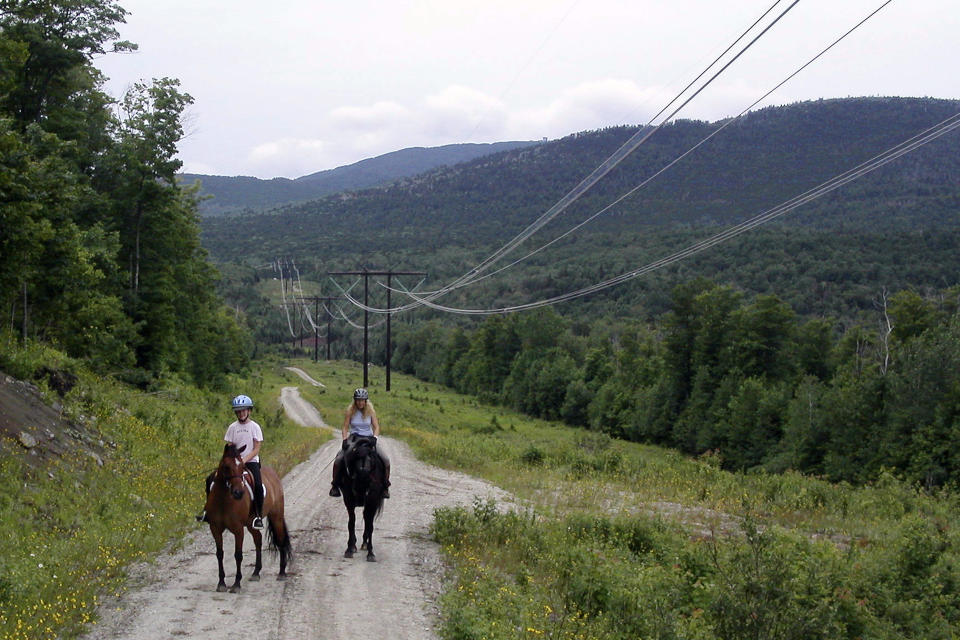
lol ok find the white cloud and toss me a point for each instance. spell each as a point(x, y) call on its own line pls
point(286, 157)
point(318, 85)
point(366, 118)
point(462, 113)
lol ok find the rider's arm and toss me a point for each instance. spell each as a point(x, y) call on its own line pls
point(254, 453)
point(375, 423)
point(346, 424)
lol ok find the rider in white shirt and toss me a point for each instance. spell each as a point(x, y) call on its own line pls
point(245, 432)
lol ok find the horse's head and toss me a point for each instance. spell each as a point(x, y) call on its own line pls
point(361, 460)
point(230, 471)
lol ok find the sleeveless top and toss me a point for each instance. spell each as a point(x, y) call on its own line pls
point(360, 425)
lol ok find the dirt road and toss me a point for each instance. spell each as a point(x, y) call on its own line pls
point(325, 595)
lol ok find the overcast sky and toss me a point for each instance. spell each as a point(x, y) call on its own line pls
point(297, 86)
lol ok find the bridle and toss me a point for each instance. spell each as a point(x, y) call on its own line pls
point(238, 463)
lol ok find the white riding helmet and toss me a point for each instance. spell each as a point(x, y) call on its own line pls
point(242, 402)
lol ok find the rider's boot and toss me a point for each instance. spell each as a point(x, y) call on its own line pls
point(258, 511)
point(334, 489)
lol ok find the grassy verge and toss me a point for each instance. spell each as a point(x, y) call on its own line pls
point(617, 540)
point(71, 524)
point(621, 540)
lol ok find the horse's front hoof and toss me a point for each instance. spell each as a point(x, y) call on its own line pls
point(254, 578)
point(371, 557)
point(282, 577)
point(235, 588)
point(221, 588)
point(348, 553)
point(363, 547)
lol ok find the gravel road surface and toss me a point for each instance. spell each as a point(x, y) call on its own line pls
point(325, 595)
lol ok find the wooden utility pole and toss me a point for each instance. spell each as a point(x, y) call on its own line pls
point(366, 273)
point(316, 316)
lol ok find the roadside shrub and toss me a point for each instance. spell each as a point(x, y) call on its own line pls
point(770, 586)
point(533, 456)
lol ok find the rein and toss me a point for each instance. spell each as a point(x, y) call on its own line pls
point(228, 478)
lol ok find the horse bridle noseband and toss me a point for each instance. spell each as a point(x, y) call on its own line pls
point(240, 475)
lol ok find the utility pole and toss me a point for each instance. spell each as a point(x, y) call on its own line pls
point(316, 315)
point(366, 273)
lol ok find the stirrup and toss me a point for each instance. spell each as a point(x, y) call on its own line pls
point(386, 492)
point(334, 491)
point(202, 516)
point(258, 523)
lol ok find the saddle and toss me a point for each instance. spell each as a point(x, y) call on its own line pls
point(248, 483)
point(360, 443)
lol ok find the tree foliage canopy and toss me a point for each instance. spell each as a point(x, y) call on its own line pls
point(99, 246)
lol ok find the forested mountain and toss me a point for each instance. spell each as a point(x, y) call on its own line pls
point(99, 247)
point(239, 193)
point(825, 257)
point(827, 341)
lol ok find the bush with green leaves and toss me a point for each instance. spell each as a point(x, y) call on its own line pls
point(516, 575)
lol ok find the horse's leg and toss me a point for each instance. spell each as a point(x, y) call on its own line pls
point(218, 539)
point(368, 514)
point(238, 556)
point(257, 541)
point(352, 539)
point(281, 539)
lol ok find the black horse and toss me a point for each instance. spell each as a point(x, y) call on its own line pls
point(362, 481)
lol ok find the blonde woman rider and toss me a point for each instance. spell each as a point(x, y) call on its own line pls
point(359, 420)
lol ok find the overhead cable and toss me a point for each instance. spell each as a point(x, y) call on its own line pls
point(946, 126)
point(641, 136)
point(666, 167)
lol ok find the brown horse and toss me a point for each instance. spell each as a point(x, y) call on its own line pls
point(229, 507)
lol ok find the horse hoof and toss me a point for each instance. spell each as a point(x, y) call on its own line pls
point(371, 558)
point(281, 577)
point(348, 554)
point(221, 588)
point(363, 547)
point(254, 578)
point(235, 588)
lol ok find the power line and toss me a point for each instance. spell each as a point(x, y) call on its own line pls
point(946, 126)
point(365, 274)
point(672, 163)
point(616, 158)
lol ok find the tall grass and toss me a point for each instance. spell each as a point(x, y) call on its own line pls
point(611, 539)
point(70, 526)
point(620, 540)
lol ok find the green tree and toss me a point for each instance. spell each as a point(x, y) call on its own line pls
point(50, 45)
point(911, 315)
point(492, 350)
point(922, 408)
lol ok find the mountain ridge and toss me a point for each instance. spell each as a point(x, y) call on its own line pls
point(231, 194)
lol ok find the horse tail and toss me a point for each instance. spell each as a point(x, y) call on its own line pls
point(279, 540)
point(379, 505)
